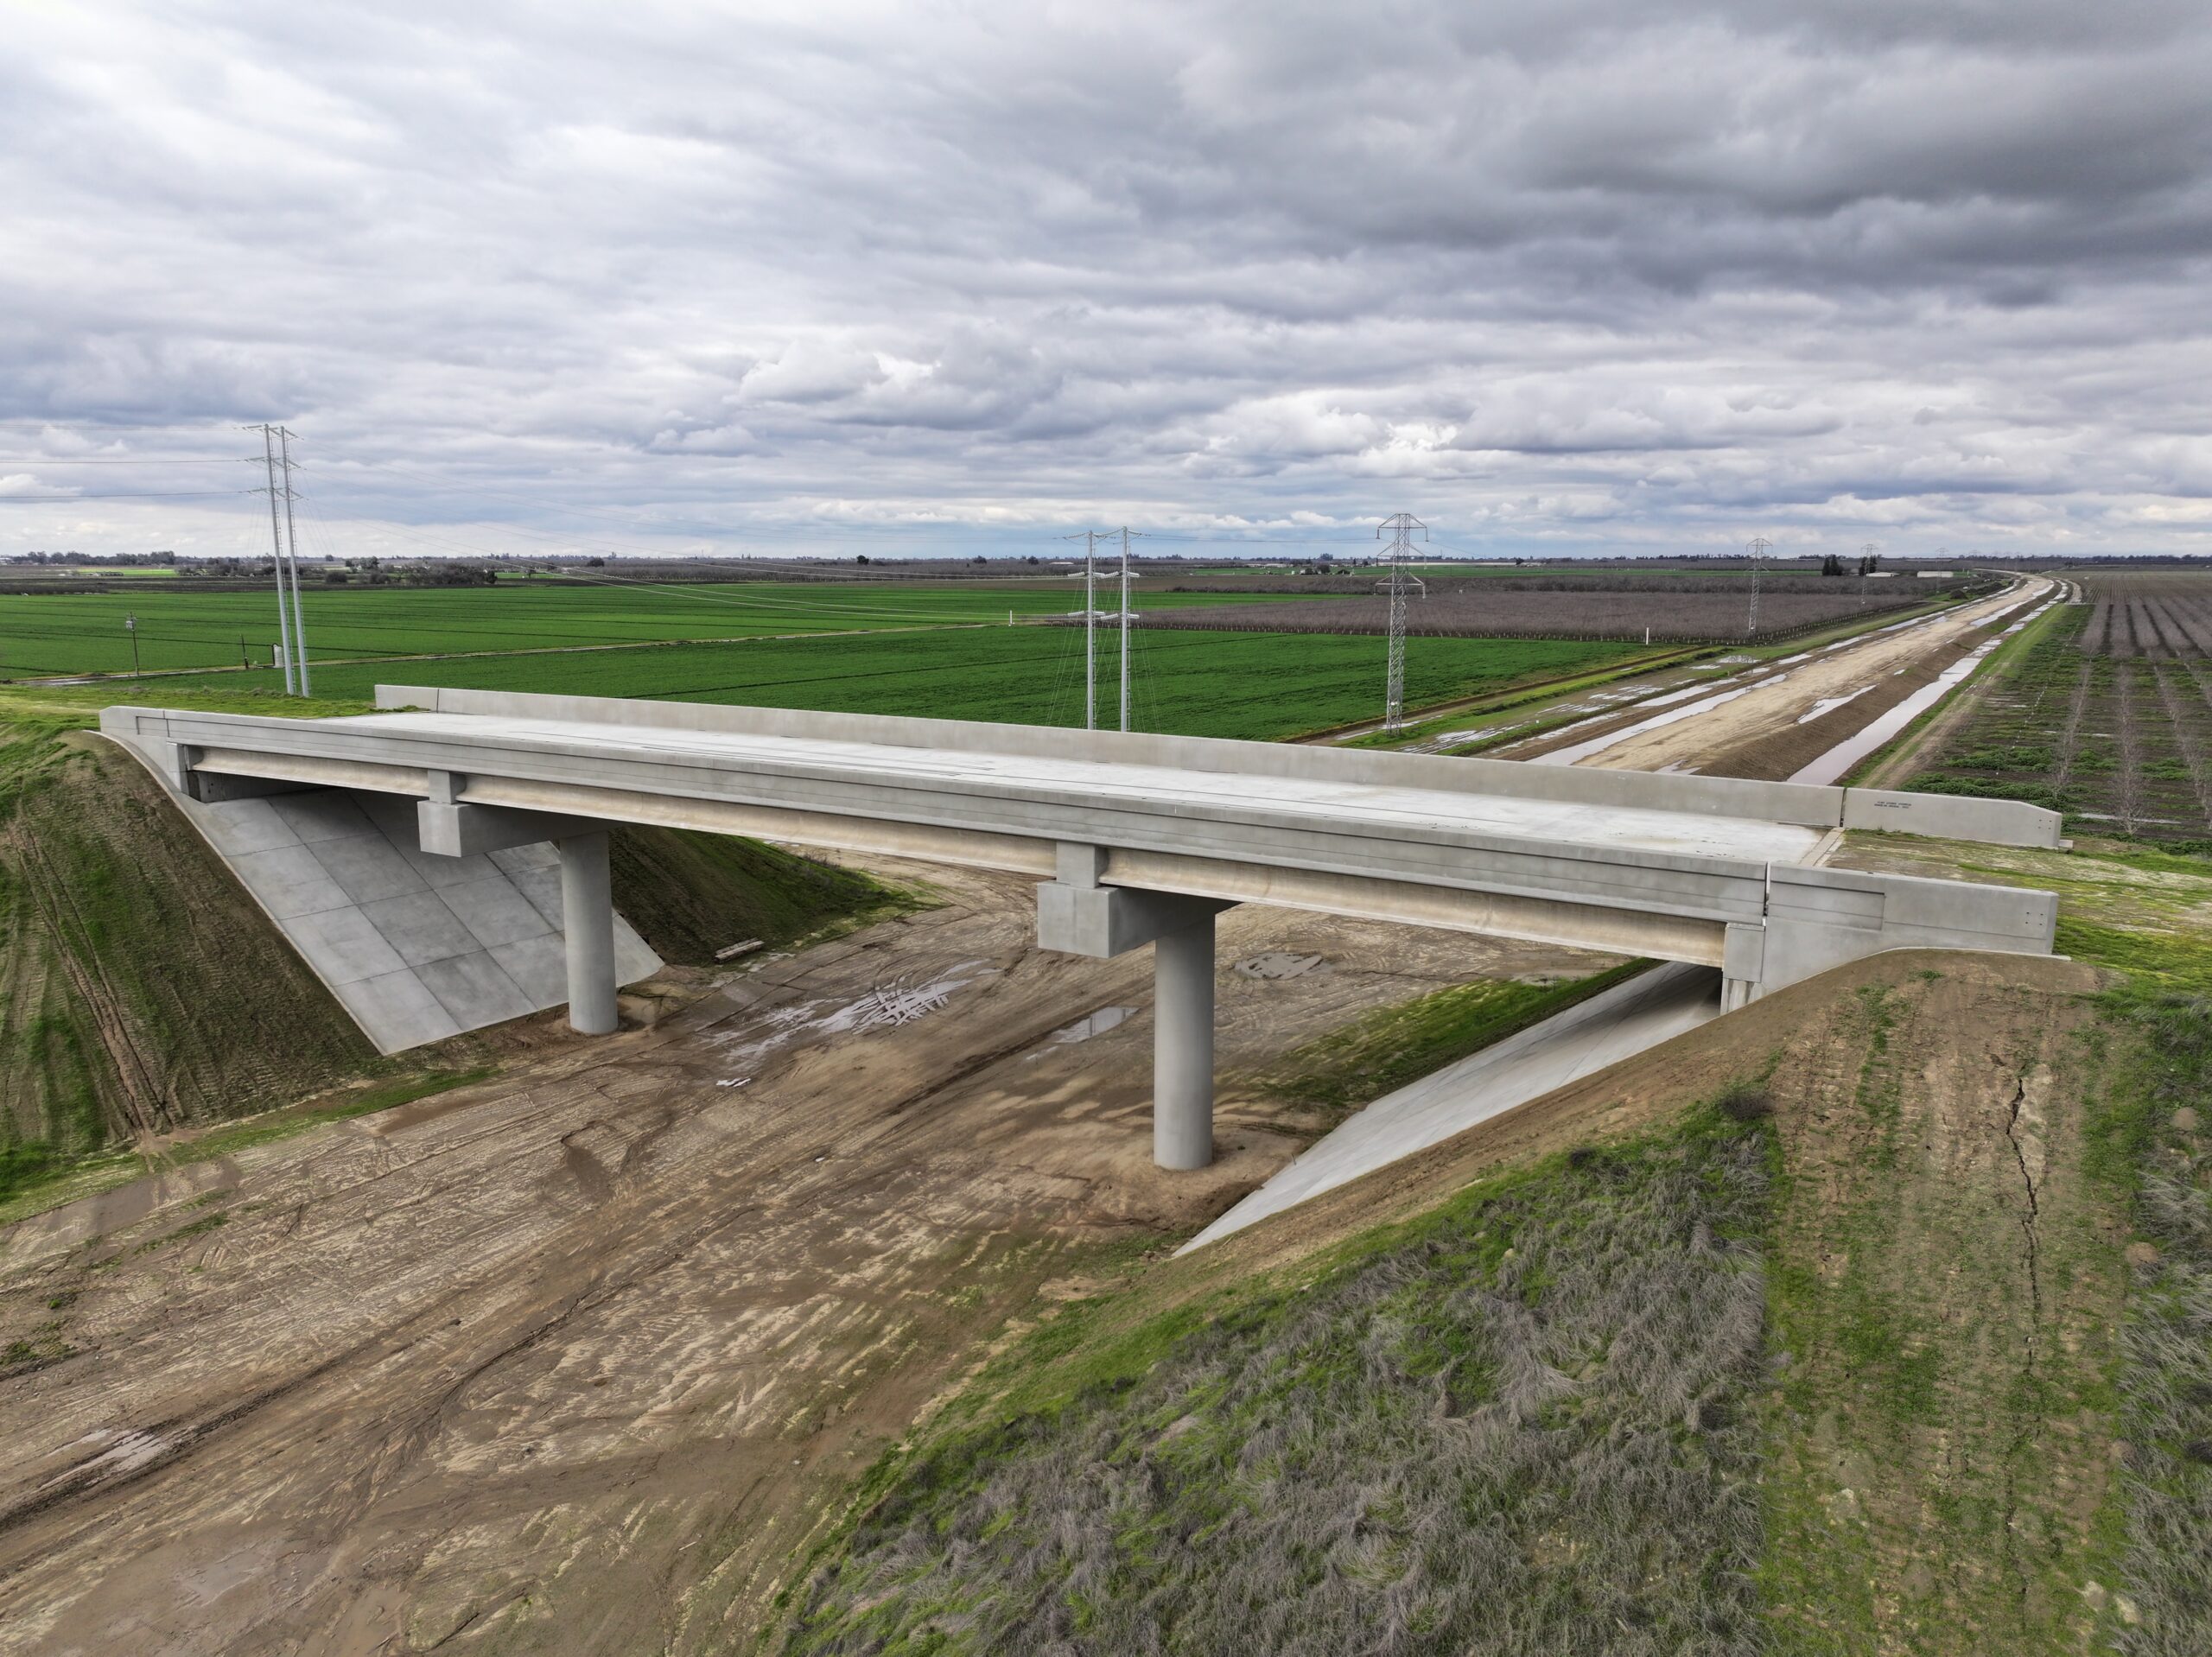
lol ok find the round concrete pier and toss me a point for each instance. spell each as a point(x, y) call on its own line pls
point(588, 919)
point(1182, 1103)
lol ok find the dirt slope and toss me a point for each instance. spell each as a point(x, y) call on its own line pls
point(1946, 1285)
point(573, 1360)
point(1948, 1295)
point(1945, 1280)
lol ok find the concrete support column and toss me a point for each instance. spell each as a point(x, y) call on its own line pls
point(1182, 1052)
point(588, 920)
point(1078, 914)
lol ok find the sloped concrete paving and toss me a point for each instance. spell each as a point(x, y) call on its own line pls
point(416, 946)
point(1649, 1009)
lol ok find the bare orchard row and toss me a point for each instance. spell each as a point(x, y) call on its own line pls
point(2120, 742)
point(2160, 614)
point(1680, 616)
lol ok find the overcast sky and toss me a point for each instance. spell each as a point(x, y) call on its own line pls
point(1554, 274)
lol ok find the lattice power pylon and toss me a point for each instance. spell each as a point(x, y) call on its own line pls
point(1402, 526)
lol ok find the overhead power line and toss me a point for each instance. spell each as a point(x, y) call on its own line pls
point(136, 494)
point(1090, 538)
point(292, 535)
point(1127, 616)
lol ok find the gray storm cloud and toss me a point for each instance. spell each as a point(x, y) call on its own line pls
point(1567, 276)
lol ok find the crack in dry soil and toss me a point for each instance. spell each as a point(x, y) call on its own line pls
point(2032, 1338)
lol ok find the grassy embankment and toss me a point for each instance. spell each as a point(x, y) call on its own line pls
point(144, 997)
point(1348, 1069)
point(141, 992)
point(1917, 1361)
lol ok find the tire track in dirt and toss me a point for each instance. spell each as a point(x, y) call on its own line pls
point(150, 1107)
point(2129, 802)
point(442, 1377)
point(2070, 732)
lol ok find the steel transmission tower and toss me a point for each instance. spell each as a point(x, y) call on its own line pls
point(1402, 526)
point(276, 542)
point(1759, 546)
point(292, 539)
point(291, 625)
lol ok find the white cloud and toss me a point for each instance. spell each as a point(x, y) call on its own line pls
point(1562, 273)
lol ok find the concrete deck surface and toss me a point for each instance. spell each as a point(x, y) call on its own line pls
point(1327, 803)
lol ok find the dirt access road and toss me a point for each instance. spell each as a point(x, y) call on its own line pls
point(1772, 719)
point(572, 1359)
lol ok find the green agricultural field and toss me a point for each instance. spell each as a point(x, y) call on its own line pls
point(1256, 685)
point(47, 633)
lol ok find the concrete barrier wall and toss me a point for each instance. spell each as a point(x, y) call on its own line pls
point(1950, 817)
point(2007, 823)
point(1817, 806)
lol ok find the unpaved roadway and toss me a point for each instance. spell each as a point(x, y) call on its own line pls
point(1770, 719)
point(571, 1360)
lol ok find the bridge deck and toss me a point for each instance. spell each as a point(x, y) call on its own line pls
point(1155, 788)
point(1138, 836)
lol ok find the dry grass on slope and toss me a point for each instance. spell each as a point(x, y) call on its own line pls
point(1269, 1438)
point(1519, 1420)
point(2166, 1383)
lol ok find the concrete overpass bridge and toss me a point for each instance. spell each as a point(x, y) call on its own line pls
point(1140, 840)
